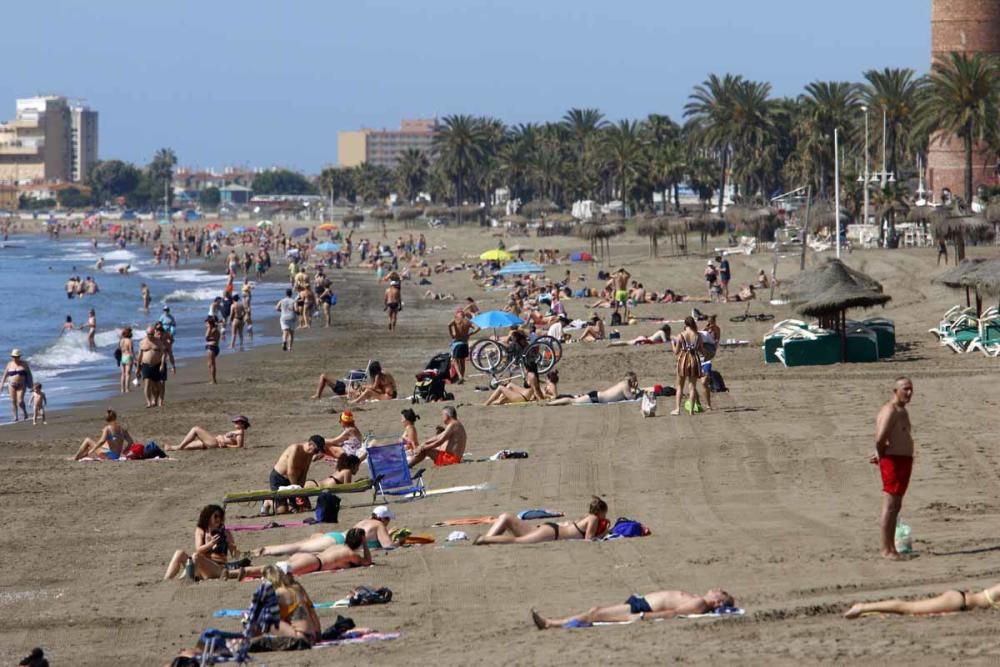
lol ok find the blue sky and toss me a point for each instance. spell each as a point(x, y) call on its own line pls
point(264, 83)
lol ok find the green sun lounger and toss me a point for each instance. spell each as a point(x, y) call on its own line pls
point(359, 486)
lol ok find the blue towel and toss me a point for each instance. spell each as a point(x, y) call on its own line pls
point(574, 623)
point(528, 515)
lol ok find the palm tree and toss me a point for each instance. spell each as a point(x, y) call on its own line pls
point(826, 106)
point(898, 91)
point(622, 145)
point(963, 99)
point(161, 174)
point(666, 156)
point(754, 124)
point(584, 126)
point(459, 144)
point(710, 111)
point(411, 173)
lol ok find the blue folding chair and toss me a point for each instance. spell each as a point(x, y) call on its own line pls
point(391, 475)
point(261, 617)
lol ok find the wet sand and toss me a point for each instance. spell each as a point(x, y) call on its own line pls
point(769, 496)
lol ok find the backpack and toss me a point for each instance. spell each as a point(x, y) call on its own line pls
point(625, 527)
point(153, 451)
point(716, 382)
point(648, 404)
point(135, 451)
point(363, 595)
point(616, 319)
point(327, 507)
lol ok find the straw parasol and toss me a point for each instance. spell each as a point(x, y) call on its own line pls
point(652, 227)
point(405, 213)
point(958, 228)
point(830, 290)
point(353, 216)
point(538, 207)
point(955, 278)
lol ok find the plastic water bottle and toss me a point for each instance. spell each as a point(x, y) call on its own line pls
point(904, 538)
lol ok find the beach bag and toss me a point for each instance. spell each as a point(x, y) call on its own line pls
point(153, 451)
point(363, 595)
point(616, 319)
point(118, 356)
point(327, 507)
point(648, 406)
point(625, 527)
point(333, 298)
point(716, 382)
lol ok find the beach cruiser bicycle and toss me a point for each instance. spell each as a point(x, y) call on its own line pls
point(505, 361)
point(747, 315)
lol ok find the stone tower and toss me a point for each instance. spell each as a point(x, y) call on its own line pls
point(970, 26)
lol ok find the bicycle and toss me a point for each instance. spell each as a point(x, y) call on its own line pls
point(495, 359)
point(760, 317)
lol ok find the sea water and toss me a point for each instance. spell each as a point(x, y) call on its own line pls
point(34, 306)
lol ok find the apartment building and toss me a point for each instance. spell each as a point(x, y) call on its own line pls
point(48, 140)
point(383, 147)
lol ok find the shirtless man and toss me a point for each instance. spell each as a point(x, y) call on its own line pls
point(661, 604)
point(626, 390)
point(292, 468)
point(393, 302)
point(382, 388)
point(460, 328)
point(167, 343)
point(619, 295)
point(447, 447)
point(152, 366)
point(894, 457)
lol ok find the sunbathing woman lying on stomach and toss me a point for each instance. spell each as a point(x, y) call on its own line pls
point(509, 529)
point(336, 557)
point(949, 601)
point(626, 390)
point(376, 529)
point(212, 544)
point(661, 604)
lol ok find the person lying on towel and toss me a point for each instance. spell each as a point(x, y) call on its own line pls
point(626, 390)
point(336, 557)
point(949, 601)
point(661, 335)
point(661, 604)
point(376, 530)
point(509, 529)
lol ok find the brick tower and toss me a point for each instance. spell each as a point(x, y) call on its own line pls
point(970, 26)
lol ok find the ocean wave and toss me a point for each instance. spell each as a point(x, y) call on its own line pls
point(71, 350)
point(119, 256)
point(197, 294)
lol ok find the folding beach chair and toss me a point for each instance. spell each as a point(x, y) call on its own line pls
point(222, 647)
point(391, 475)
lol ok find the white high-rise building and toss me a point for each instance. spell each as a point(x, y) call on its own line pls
point(48, 140)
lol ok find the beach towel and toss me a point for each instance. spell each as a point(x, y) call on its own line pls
point(502, 455)
point(732, 342)
point(473, 521)
point(361, 636)
point(718, 613)
point(89, 459)
point(590, 405)
point(722, 612)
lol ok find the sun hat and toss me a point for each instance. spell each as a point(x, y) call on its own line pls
point(346, 417)
point(240, 418)
point(15, 353)
point(383, 512)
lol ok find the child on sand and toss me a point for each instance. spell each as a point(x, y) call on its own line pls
point(38, 402)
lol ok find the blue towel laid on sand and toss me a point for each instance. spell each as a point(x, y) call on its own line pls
point(529, 515)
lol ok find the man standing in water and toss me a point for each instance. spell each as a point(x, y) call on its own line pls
point(146, 298)
point(894, 457)
point(151, 366)
point(393, 302)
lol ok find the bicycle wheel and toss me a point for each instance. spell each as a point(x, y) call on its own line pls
point(553, 343)
point(765, 317)
point(487, 356)
point(542, 354)
point(739, 318)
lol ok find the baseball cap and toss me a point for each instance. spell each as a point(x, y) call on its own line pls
point(383, 512)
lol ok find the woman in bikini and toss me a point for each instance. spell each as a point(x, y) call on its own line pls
point(510, 393)
point(336, 557)
point(17, 377)
point(661, 335)
point(237, 315)
point(508, 529)
point(199, 438)
point(127, 364)
point(347, 467)
point(212, 336)
point(350, 440)
point(295, 607)
point(212, 544)
point(950, 601)
point(688, 346)
point(409, 438)
point(110, 445)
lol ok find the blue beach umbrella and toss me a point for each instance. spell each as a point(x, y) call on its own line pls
point(494, 319)
point(239, 230)
point(327, 246)
point(519, 268)
point(299, 231)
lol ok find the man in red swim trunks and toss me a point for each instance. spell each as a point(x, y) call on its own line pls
point(447, 447)
point(894, 457)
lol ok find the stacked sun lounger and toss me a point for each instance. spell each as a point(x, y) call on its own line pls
point(962, 330)
point(795, 343)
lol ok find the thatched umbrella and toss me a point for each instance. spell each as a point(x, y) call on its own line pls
point(959, 228)
point(956, 279)
point(438, 212)
point(599, 234)
point(828, 292)
point(926, 214)
point(353, 217)
point(708, 224)
point(406, 213)
point(383, 215)
point(538, 207)
point(560, 219)
point(652, 227)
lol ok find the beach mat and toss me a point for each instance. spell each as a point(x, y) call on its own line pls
point(472, 521)
point(725, 612)
point(362, 637)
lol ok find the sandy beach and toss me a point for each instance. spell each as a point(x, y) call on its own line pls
point(770, 496)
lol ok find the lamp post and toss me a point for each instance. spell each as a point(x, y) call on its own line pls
point(864, 178)
point(836, 184)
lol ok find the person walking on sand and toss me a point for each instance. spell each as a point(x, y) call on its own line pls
point(894, 457)
point(652, 606)
point(152, 366)
point(288, 310)
point(127, 361)
point(17, 379)
point(619, 286)
point(688, 346)
point(212, 336)
point(393, 302)
point(460, 329)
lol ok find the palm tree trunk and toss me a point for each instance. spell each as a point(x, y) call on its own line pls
point(968, 167)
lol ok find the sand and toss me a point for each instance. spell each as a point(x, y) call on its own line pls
point(770, 496)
